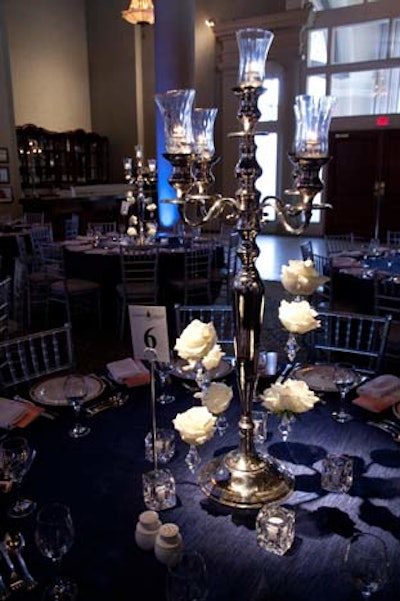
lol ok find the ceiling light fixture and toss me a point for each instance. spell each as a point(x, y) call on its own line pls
point(140, 12)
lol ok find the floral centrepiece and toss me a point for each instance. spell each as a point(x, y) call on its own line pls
point(298, 317)
point(196, 425)
point(217, 397)
point(292, 396)
point(300, 278)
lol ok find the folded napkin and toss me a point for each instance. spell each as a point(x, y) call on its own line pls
point(379, 394)
point(10, 413)
point(130, 372)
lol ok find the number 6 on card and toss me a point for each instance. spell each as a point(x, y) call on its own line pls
point(149, 330)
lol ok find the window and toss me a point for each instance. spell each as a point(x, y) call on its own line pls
point(355, 62)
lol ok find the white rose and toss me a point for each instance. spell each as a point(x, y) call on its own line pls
point(216, 398)
point(196, 340)
point(196, 425)
point(151, 206)
point(151, 229)
point(131, 231)
point(213, 358)
point(298, 317)
point(293, 396)
point(301, 277)
point(133, 220)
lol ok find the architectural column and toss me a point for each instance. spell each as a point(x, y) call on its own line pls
point(174, 69)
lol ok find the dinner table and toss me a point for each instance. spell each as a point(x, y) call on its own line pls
point(99, 477)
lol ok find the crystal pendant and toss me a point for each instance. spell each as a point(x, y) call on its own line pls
point(292, 347)
point(221, 424)
point(285, 426)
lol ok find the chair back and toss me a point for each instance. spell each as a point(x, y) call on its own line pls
point(306, 250)
point(40, 234)
point(139, 275)
point(339, 242)
point(32, 356)
point(20, 295)
point(228, 272)
point(393, 238)
point(322, 297)
point(197, 274)
point(33, 217)
point(387, 302)
point(221, 316)
point(5, 307)
point(101, 227)
point(71, 227)
point(356, 338)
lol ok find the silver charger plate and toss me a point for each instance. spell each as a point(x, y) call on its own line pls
point(318, 377)
point(51, 391)
point(223, 369)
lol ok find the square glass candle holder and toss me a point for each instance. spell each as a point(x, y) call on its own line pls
point(275, 528)
point(159, 490)
point(337, 473)
point(165, 445)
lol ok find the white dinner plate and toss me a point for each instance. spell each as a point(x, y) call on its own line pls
point(51, 391)
point(223, 369)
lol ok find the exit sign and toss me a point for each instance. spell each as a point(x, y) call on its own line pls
point(382, 121)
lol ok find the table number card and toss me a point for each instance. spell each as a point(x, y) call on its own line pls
point(149, 331)
point(124, 207)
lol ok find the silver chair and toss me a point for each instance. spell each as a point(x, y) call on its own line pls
point(220, 315)
point(101, 227)
point(33, 217)
point(387, 302)
point(227, 273)
point(71, 227)
point(339, 242)
point(27, 358)
point(40, 234)
point(358, 339)
point(393, 238)
point(306, 250)
point(139, 281)
point(195, 285)
point(323, 297)
point(5, 307)
point(20, 296)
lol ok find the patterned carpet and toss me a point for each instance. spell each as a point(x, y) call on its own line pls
point(94, 348)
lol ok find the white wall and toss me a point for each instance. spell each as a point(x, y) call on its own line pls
point(49, 63)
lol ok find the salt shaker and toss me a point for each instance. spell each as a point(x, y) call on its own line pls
point(146, 530)
point(169, 544)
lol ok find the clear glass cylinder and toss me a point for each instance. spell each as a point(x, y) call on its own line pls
point(203, 121)
point(313, 117)
point(253, 49)
point(176, 109)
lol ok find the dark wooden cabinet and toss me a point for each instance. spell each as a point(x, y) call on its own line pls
point(61, 159)
point(363, 183)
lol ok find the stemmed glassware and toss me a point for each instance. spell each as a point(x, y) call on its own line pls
point(16, 459)
point(344, 378)
point(54, 537)
point(164, 370)
point(367, 562)
point(75, 391)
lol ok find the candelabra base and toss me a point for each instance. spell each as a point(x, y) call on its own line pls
point(245, 481)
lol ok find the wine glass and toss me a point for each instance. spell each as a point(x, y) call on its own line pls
point(164, 370)
point(344, 378)
point(75, 391)
point(16, 459)
point(54, 536)
point(188, 580)
point(366, 560)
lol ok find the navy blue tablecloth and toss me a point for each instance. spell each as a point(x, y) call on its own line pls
point(100, 478)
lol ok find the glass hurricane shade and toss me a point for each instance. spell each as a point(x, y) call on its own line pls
point(253, 46)
point(203, 131)
point(176, 110)
point(313, 116)
point(139, 12)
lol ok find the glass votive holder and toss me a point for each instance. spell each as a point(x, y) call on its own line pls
point(159, 491)
point(272, 363)
point(165, 445)
point(337, 473)
point(275, 528)
point(260, 422)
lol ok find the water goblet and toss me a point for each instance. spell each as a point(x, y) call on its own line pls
point(16, 459)
point(188, 580)
point(367, 562)
point(163, 371)
point(54, 537)
point(75, 391)
point(344, 378)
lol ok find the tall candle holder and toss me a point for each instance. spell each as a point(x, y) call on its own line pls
point(242, 478)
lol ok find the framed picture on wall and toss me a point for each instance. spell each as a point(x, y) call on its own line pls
point(4, 158)
point(6, 194)
point(4, 175)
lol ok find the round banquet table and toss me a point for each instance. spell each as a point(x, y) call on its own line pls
point(103, 265)
point(100, 478)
